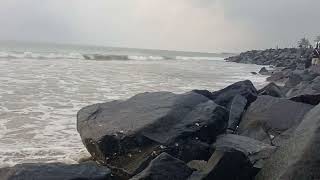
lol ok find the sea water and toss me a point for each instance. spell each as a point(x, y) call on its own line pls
point(42, 86)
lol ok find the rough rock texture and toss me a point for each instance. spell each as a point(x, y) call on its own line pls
point(225, 96)
point(299, 158)
point(126, 135)
point(271, 90)
point(55, 171)
point(225, 165)
point(165, 167)
point(257, 152)
point(237, 108)
point(268, 116)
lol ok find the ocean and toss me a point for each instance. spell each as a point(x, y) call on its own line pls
point(42, 86)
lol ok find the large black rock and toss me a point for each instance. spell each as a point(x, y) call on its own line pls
point(55, 171)
point(268, 116)
point(126, 135)
point(257, 152)
point(225, 96)
point(299, 157)
point(165, 167)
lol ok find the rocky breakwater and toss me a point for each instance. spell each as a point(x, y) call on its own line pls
point(237, 133)
point(294, 77)
point(288, 57)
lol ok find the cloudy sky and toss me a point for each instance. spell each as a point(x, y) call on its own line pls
point(193, 25)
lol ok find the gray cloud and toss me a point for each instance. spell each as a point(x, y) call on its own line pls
point(195, 25)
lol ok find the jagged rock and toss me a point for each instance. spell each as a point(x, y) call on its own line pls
point(126, 135)
point(55, 171)
point(225, 96)
point(257, 152)
point(271, 90)
point(268, 116)
point(165, 167)
point(225, 165)
point(264, 71)
point(299, 157)
point(237, 108)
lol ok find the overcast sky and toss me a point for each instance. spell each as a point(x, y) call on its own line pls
point(193, 25)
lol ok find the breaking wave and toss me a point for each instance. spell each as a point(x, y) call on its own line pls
point(97, 57)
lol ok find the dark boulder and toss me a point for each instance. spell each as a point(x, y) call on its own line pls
point(126, 135)
point(165, 167)
point(253, 73)
point(313, 99)
point(55, 171)
point(257, 152)
point(264, 71)
point(232, 165)
point(299, 157)
point(271, 90)
point(268, 116)
point(237, 107)
point(225, 96)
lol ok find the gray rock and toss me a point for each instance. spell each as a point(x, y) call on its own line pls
point(264, 71)
point(126, 135)
point(306, 88)
point(165, 167)
point(268, 116)
point(271, 90)
point(299, 157)
point(55, 171)
point(257, 152)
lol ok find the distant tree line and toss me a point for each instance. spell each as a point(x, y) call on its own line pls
point(305, 43)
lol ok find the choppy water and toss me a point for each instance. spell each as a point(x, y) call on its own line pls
point(39, 98)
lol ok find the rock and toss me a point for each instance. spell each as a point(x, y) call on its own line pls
point(264, 71)
point(192, 150)
point(257, 152)
point(225, 165)
point(305, 88)
point(225, 96)
point(313, 99)
point(271, 90)
point(237, 108)
point(55, 171)
point(254, 73)
point(293, 80)
point(127, 135)
point(299, 157)
point(165, 167)
point(268, 116)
